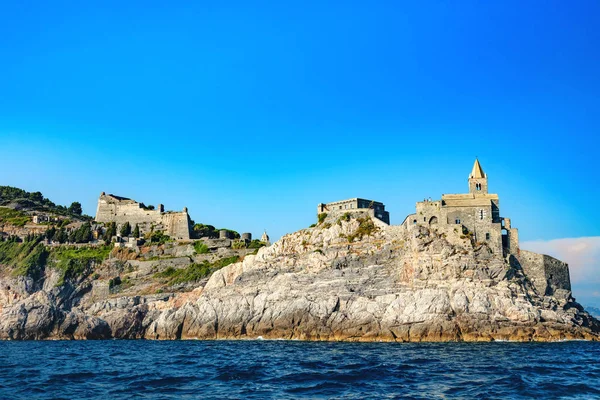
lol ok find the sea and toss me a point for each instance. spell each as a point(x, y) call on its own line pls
point(120, 369)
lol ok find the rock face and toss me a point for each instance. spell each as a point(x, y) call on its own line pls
point(350, 279)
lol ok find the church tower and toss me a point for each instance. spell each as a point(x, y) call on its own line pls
point(478, 183)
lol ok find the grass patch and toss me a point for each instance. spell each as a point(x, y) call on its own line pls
point(195, 271)
point(321, 218)
point(200, 247)
point(366, 227)
point(73, 262)
point(13, 217)
point(346, 217)
point(26, 259)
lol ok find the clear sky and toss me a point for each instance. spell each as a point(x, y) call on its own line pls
point(251, 115)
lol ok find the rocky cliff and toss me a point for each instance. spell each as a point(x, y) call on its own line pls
point(352, 278)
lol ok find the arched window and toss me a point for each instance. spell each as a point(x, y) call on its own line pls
point(433, 221)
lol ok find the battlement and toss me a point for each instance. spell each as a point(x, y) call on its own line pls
point(356, 204)
point(120, 210)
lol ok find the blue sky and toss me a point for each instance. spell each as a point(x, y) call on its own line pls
point(252, 115)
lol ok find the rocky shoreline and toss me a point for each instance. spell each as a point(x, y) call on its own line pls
point(352, 279)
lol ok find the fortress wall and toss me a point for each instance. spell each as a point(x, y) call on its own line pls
point(557, 274)
point(532, 265)
point(546, 273)
point(177, 225)
point(332, 216)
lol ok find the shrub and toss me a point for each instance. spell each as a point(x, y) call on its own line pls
point(256, 244)
point(13, 217)
point(321, 218)
point(76, 262)
point(194, 272)
point(346, 217)
point(200, 247)
point(126, 229)
point(158, 238)
point(366, 227)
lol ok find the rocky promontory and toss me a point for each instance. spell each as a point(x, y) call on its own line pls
point(348, 278)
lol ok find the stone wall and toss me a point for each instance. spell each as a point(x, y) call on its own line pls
point(354, 204)
point(547, 274)
point(121, 210)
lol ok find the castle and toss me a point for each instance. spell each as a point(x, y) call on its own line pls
point(120, 210)
point(473, 216)
point(375, 208)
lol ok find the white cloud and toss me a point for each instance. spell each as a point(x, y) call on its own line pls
point(583, 257)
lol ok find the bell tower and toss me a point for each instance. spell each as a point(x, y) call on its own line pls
point(478, 182)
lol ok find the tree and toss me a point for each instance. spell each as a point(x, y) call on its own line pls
point(111, 230)
point(61, 236)
point(75, 208)
point(83, 234)
point(126, 229)
point(136, 231)
point(50, 233)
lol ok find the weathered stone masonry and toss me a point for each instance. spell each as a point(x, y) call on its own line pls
point(477, 215)
point(120, 210)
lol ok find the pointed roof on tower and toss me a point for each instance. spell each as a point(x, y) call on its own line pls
point(477, 170)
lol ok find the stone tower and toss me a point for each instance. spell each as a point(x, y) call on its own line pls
point(478, 181)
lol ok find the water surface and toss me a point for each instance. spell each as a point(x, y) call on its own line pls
point(286, 370)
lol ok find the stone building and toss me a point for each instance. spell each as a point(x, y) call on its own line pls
point(376, 208)
point(120, 210)
point(476, 216)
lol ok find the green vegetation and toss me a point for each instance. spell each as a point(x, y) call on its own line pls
point(194, 272)
point(75, 208)
point(238, 244)
point(312, 225)
point(200, 247)
point(321, 218)
point(346, 217)
point(13, 217)
point(200, 230)
point(81, 235)
point(126, 229)
point(256, 244)
point(136, 231)
point(158, 238)
point(73, 262)
point(366, 227)
point(111, 230)
point(26, 259)
point(36, 201)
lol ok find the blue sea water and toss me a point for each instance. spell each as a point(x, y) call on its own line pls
point(287, 370)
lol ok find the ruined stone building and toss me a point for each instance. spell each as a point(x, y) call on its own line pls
point(473, 216)
point(120, 210)
point(476, 216)
point(376, 208)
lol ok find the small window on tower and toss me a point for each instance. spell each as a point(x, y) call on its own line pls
point(487, 236)
point(457, 221)
point(480, 214)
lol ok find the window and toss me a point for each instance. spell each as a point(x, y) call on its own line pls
point(415, 222)
point(457, 221)
point(424, 219)
point(480, 214)
point(487, 236)
point(345, 206)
